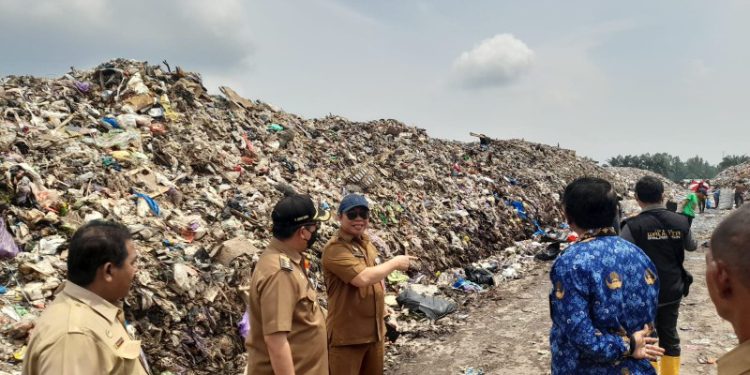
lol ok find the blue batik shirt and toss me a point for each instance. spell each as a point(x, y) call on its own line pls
point(603, 290)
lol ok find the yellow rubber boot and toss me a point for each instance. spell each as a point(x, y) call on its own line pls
point(670, 365)
point(657, 367)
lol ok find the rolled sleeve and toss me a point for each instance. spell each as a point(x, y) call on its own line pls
point(342, 263)
point(278, 299)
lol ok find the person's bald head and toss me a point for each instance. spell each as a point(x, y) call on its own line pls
point(727, 271)
point(730, 242)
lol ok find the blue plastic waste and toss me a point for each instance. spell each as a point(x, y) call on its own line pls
point(151, 203)
point(520, 210)
point(111, 121)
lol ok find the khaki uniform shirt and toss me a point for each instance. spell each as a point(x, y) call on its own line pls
point(355, 315)
point(281, 299)
point(736, 362)
point(82, 333)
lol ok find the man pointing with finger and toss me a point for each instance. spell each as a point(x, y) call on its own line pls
point(356, 293)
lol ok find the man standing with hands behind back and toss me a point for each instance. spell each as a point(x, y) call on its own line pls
point(356, 293)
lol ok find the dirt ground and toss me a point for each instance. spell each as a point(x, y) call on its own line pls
point(506, 333)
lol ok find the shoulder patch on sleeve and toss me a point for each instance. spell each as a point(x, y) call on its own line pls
point(285, 263)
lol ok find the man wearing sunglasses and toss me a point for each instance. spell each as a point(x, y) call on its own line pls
point(356, 293)
point(287, 325)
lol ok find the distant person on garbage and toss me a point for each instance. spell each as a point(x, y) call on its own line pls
point(739, 194)
point(84, 330)
point(717, 196)
point(287, 324)
point(354, 278)
point(604, 292)
point(664, 236)
point(728, 283)
point(702, 197)
point(689, 205)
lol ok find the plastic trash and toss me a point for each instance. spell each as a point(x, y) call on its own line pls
point(244, 325)
point(111, 122)
point(119, 138)
point(169, 114)
point(8, 247)
point(520, 209)
point(472, 371)
point(275, 128)
point(151, 203)
point(397, 277)
point(83, 87)
point(433, 307)
point(467, 286)
point(479, 275)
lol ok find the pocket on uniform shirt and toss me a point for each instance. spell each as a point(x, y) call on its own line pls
point(130, 349)
point(311, 297)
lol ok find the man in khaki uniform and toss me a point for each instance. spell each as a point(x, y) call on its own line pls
point(728, 283)
point(356, 302)
point(83, 331)
point(287, 325)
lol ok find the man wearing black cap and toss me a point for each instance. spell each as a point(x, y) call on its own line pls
point(356, 293)
point(287, 325)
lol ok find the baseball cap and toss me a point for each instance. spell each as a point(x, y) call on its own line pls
point(352, 200)
point(297, 209)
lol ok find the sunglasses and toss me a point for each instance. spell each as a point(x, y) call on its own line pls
point(358, 212)
point(312, 228)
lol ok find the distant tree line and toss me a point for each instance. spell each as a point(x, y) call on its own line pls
point(675, 169)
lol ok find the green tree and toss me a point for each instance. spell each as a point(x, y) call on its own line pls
point(669, 166)
point(698, 168)
point(731, 161)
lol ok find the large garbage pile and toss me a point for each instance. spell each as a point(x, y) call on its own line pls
point(730, 176)
point(194, 176)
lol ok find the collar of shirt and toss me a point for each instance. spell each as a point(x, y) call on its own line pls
point(99, 304)
point(652, 207)
point(279, 246)
point(737, 361)
point(348, 238)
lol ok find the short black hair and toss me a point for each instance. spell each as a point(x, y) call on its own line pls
point(730, 242)
point(284, 232)
point(94, 244)
point(649, 189)
point(590, 203)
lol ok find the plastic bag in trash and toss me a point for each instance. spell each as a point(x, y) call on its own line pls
point(8, 247)
point(244, 325)
point(433, 307)
point(479, 275)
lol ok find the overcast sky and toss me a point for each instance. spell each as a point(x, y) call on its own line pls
point(600, 77)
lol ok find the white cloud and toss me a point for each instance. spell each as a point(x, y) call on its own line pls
point(497, 61)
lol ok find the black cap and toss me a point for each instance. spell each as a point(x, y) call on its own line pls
point(297, 209)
